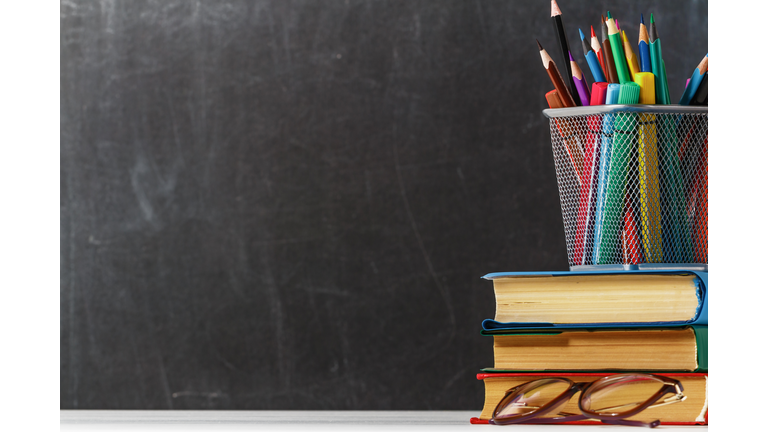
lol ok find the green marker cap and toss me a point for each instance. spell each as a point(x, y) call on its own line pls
point(629, 94)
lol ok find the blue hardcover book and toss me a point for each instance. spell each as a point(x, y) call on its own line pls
point(597, 299)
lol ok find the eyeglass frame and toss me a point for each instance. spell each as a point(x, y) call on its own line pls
point(669, 385)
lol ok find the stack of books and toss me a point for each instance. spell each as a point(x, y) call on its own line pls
point(587, 325)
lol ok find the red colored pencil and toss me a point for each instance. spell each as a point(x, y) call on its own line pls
point(597, 48)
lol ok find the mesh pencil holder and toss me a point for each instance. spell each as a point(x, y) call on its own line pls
point(633, 185)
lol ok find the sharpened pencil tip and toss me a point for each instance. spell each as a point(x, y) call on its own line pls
point(555, 9)
point(651, 18)
point(540, 47)
point(581, 34)
point(608, 13)
point(570, 56)
point(641, 19)
point(592, 29)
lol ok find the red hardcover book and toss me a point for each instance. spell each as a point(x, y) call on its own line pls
point(692, 411)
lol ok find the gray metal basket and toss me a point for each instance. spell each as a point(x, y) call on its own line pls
point(633, 185)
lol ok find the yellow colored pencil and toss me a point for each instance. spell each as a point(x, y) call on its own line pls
point(634, 65)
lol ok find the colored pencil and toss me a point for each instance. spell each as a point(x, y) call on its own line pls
point(634, 67)
point(598, 49)
point(562, 40)
point(666, 88)
point(592, 61)
point(579, 81)
point(572, 146)
point(606, 145)
point(642, 48)
point(693, 85)
point(657, 64)
point(700, 97)
point(557, 79)
point(570, 140)
point(610, 67)
point(617, 47)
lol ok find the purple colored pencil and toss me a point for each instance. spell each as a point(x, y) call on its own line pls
point(579, 81)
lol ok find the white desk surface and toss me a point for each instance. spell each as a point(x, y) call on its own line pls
point(125, 420)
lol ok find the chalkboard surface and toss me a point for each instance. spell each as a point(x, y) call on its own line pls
point(290, 204)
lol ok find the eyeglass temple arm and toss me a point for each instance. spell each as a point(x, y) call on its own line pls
point(652, 424)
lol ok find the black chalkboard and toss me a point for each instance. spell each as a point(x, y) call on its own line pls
point(290, 204)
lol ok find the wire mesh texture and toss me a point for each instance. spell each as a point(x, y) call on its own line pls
point(633, 182)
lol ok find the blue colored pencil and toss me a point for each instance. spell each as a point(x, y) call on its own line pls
point(693, 85)
point(644, 51)
point(592, 60)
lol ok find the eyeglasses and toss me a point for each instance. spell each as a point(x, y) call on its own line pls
point(611, 399)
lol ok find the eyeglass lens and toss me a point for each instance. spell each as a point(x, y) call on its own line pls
point(620, 394)
point(533, 396)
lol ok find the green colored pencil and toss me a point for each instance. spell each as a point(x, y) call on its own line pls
point(657, 65)
point(617, 47)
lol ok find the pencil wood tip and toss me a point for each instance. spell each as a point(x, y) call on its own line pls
point(704, 65)
point(555, 9)
point(643, 34)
